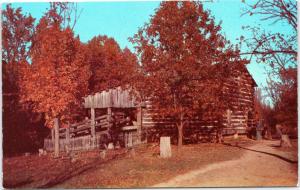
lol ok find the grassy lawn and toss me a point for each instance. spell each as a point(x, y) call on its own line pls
point(121, 168)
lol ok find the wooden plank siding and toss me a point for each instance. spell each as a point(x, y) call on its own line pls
point(112, 98)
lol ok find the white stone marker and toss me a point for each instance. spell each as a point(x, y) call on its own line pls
point(165, 147)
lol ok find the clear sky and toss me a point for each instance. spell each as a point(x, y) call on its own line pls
point(121, 20)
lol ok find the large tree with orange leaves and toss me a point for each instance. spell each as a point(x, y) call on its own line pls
point(182, 54)
point(57, 78)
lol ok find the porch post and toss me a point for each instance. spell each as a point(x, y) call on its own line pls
point(109, 113)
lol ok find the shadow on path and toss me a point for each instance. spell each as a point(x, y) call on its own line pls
point(271, 154)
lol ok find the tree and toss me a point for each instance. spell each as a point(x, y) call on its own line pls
point(286, 92)
point(110, 66)
point(57, 78)
point(279, 52)
point(17, 32)
point(182, 54)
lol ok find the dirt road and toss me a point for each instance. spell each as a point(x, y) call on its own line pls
point(262, 165)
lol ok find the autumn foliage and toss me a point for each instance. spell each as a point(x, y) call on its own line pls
point(183, 55)
point(110, 65)
point(56, 80)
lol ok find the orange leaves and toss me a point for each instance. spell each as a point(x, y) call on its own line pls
point(58, 76)
point(179, 51)
point(110, 66)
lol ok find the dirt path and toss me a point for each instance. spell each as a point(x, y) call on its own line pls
point(262, 165)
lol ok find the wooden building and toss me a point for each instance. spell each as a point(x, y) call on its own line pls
point(238, 89)
point(240, 92)
point(147, 125)
point(104, 108)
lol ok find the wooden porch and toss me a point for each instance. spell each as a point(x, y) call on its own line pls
point(106, 108)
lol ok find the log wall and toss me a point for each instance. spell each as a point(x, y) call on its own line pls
point(238, 91)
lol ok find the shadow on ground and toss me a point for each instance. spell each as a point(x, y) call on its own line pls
point(264, 152)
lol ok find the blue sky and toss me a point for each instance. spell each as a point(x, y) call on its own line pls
point(121, 20)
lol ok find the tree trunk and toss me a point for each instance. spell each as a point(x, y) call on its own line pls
point(56, 136)
point(53, 135)
point(180, 131)
point(180, 135)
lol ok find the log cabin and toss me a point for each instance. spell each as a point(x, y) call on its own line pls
point(238, 88)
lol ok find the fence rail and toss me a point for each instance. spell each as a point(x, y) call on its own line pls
point(78, 136)
point(84, 127)
point(131, 137)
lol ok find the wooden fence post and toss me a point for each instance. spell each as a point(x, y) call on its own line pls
point(130, 139)
point(109, 113)
point(93, 130)
point(139, 122)
point(56, 132)
point(68, 138)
